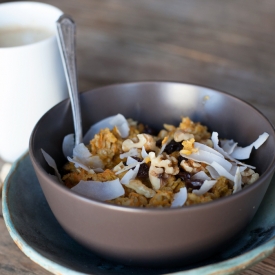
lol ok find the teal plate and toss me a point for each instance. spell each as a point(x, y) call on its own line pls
point(37, 233)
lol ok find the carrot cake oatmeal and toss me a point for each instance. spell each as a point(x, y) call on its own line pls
point(127, 163)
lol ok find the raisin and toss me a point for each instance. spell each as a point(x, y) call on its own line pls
point(173, 146)
point(186, 177)
point(143, 171)
point(158, 143)
point(149, 130)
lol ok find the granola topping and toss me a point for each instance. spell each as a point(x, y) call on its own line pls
point(130, 164)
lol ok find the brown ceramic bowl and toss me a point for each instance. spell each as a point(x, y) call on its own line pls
point(155, 236)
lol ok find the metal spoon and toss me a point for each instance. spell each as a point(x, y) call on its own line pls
point(66, 30)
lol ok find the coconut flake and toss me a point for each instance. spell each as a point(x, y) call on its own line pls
point(68, 145)
point(234, 169)
point(109, 122)
point(125, 168)
point(131, 163)
point(213, 173)
point(205, 187)
point(101, 191)
point(51, 162)
point(168, 139)
point(206, 148)
point(222, 171)
point(200, 176)
point(78, 164)
point(131, 160)
point(132, 153)
point(228, 145)
point(144, 154)
point(130, 175)
point(208, 157)
point(179, 198)
point(215, 141)
point(122, 125)
point(83, 158)
point(81, 152)
point(244, 152)
point(95, 128)
point(237, 181)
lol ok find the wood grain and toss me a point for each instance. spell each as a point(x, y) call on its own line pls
point(226, 45)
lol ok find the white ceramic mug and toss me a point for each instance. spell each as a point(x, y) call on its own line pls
point(32, 79)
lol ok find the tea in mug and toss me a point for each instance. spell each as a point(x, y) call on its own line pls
point(14, 36)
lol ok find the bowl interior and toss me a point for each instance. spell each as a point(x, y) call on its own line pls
point(155, 103)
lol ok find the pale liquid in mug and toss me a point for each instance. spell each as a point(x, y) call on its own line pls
point(14, 36)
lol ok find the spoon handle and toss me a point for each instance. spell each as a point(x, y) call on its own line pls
point(66, 39)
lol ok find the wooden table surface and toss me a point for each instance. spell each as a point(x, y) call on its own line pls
point(226, 45)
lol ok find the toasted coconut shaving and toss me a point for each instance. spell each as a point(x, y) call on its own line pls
point(208, 157)
point(121, 123)
point(244, 152)
point(237, 181)
point(206, 186)
point(123, 163)
point(84, 159)
point(179, 198)
point(118, 121)
point(68, 145)
point(101, 191)
point(215, 141)
point(130, 175)
point(51, 162)
point(132, 153)
point(200, 176)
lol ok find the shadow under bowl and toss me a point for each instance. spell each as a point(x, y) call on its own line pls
point(155, 237)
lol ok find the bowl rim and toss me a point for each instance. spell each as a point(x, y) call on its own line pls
point(218, 202)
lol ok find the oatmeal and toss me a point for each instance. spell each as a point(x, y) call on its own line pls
point(129, 164)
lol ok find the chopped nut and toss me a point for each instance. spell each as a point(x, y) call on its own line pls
point(180, 135)
point(162, 134)
point(192, 166)
point(247, 172)
point(249, 176)
point(169, 163)
point(155, 176)
point(185, 165)
point(145, 140)
point(253, 178)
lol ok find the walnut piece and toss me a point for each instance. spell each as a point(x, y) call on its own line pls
point(249, 176)
point(181, 135)
point(145, 140)
point(155, 176)
point(192, 166)
point(169, 163)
